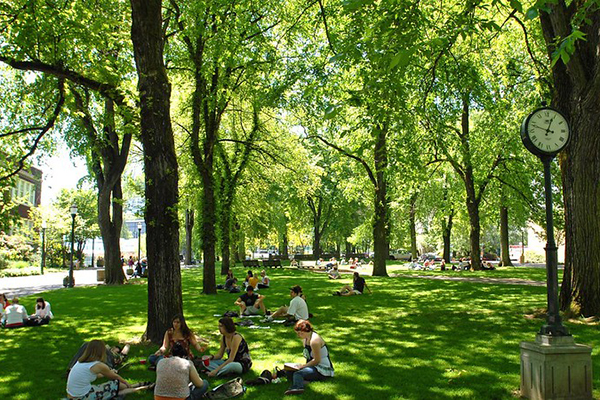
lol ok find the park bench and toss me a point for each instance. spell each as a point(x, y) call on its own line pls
point(272, 263)
point(311, 265)
point(250, 264)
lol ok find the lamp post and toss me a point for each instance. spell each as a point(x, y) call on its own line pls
point(73, 214)
point(43, 247)
point(139, 226)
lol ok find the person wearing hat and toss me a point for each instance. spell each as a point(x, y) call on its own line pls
point(15, 315)
point(251, 303)
point(298, 308)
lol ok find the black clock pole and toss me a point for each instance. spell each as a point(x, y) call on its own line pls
point(554, 324)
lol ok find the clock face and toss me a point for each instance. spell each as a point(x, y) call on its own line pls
point(546, 130)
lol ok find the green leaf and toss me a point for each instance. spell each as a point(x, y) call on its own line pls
point(331, 111)
point(532, 13)
point(516, 4)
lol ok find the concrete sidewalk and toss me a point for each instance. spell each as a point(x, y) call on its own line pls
point(27, 285)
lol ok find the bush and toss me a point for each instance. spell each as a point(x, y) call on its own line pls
point(535, 257)
point(3, 262)
point(15, 247)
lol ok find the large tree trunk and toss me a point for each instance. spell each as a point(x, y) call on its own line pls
point(316, 243)
point(381, 219)
point(160, 165)
point(413, 226)
point(475, 227)
point(226, 237)
point(209, 238)
point(111, 231)
point(504, 245)
point(447, 235)
point(577, 95)
point(189, 234)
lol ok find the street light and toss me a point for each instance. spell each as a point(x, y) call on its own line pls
point(44, 226)
point(73, 214)
point(139, 226)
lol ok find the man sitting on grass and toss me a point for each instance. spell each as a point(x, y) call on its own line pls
point(297, 310)
point(251, 303)
point(358, 287)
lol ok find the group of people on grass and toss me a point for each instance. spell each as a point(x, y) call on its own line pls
point(14, 315)
point(177, 376)
point(262, 282)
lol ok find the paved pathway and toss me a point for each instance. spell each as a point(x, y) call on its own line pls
point(26, 285)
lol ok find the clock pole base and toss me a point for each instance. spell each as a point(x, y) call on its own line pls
point(555, 368)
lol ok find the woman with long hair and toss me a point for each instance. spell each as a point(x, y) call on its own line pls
point(318, 364)
point(238, 355)
point(178, 333)
point(90, 366)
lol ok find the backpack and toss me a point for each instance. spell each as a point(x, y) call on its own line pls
point(230, 314)
point(265, 377)
point(234, 290)
point(227, 390)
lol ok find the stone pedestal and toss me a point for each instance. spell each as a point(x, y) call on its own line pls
point(554, 367)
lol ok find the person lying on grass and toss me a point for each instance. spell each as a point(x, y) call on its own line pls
point(318, 364)
point(91, 365)
point(298, 308)
point(251, 303)
point(179, 333)
point(174, 375)
point(238, 354)
point(358, 287)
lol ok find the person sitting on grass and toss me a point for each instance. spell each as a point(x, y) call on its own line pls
point(358, 287)
point(251, 280)
point(43, 313)
point(318, 364)
point(238, 354)
point(251, 303)
point(487, 266)
point(298, 308)
point(230, 280)
point(265, 281)
point(15, 315)
point(174, 375)
point(91, 365)
point(179, 333)
point(334, 273)
point(3, 302)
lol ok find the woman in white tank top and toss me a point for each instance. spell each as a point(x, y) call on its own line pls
point(86, 370)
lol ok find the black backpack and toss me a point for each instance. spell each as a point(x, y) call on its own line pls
point(227, 390)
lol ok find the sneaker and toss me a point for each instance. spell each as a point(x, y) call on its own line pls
point(293, 391)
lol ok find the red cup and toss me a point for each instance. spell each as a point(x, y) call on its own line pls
point(206, 360)
point(143, 361)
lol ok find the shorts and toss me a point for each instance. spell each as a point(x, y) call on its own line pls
point(105, 391)
point(251, 310)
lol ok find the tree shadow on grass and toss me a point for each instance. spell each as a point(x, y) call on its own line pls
point(411, 339)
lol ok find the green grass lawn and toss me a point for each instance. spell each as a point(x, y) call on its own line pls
point(410, 339)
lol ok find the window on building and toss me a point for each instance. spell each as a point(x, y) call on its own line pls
point(23, 192)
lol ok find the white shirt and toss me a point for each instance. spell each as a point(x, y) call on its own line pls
point(298, 308)
point(44, 312)
point(14, 314)
point(80, 378)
